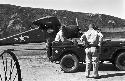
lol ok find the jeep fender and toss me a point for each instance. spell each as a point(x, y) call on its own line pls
point(69, 52)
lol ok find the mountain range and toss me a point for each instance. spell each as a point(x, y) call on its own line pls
point(15, 19)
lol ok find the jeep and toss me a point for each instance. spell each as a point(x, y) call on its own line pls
point(70, 53)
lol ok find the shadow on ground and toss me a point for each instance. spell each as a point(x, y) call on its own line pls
point(104, 67)
point(112, 75)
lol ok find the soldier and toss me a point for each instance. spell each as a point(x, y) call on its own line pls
point(92, 40)
point(60, 35)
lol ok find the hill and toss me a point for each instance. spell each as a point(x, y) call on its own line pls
point(15, 19)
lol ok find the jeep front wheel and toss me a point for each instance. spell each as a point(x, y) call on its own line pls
point(120, 61)
point(69, 63)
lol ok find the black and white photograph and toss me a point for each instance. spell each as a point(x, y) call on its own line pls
point(62, 40)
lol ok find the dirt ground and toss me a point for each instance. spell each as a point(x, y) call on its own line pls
point(36, 67)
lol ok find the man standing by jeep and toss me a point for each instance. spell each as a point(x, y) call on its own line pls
point(92, 40)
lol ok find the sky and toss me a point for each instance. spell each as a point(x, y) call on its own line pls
point(110, 7)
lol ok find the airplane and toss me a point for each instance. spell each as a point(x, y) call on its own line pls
point(34, 35)
point(41, 29)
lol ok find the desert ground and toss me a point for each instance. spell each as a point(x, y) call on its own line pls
point(36, 67)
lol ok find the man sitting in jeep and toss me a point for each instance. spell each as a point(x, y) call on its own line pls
point(60, 35)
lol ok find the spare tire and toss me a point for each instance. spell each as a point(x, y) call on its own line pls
point(72, 31)
point(69, 63)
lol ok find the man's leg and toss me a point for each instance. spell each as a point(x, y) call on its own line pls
point(95, 59)
point(88, 62)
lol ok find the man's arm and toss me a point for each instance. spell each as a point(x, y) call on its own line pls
point(82, 37)
point(100, 38)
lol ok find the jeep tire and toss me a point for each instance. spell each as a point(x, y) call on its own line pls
point(120, 61)
point(69, 63)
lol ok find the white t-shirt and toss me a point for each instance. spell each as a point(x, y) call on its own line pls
point(92, 36)
point(59, 36)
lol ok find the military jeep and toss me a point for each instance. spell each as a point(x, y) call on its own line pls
point(70, 53)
